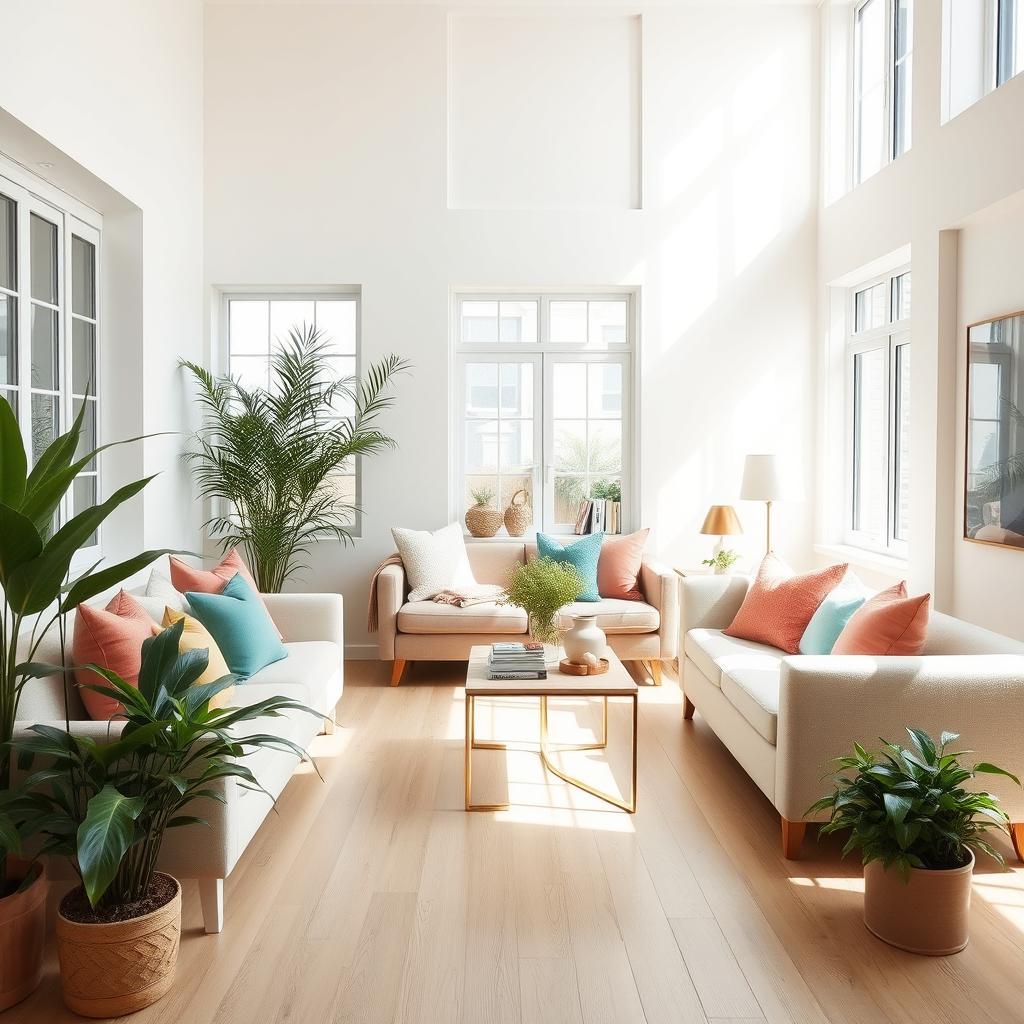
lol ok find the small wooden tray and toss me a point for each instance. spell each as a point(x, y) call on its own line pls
point(570, 668)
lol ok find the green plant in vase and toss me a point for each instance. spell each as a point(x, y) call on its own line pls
point(722, 561)
point(541, 587)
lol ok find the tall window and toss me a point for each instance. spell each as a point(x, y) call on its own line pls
point(543, 401)
point(49, 324)
point(255, 325)
point(883, 34)
point(878, 389)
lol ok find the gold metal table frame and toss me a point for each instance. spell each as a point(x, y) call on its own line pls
point(546, 748)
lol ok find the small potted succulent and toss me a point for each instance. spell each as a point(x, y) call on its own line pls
point(722, 561)
point(107, 807)
point(917, 829)
point(482, 519)
point(542, 586)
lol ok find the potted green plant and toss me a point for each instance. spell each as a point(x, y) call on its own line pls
point(270, 457)
point(541, 586)
point(35, 561)
point(482, 519)
point(722, 561)
point(108, 808)
point(917, 828)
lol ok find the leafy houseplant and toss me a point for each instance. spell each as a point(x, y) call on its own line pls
point(267, 457)
point(722, 561)
point(540, 587)
point(917, 829)
point(481, 519)
point(108, 808)
point(35, 562)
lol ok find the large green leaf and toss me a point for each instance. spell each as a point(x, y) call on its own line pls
point(991, 769)
point(159, 653)
point(95, 583)
point(104, 837)
point(19, 540)
point(13, 463)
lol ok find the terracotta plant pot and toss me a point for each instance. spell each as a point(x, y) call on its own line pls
point(928, 914)
point(22, 931)
point(108, 970)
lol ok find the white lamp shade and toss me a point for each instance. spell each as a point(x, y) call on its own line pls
point(762, 479)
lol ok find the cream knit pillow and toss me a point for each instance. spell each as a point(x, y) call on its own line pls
point(434, 561)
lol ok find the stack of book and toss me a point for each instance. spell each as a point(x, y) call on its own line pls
point(598, 515)
point(516, 661)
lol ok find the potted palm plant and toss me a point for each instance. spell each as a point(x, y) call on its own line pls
point(917, 828)
point(35, 561)
point(270, 458)
point(108, 808)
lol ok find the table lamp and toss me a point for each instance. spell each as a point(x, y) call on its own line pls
point(721, 521)
point(762, 481)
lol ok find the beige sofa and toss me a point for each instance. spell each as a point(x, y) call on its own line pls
point(645, 631)
point(784, 717)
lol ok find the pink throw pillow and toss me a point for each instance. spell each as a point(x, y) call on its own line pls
point(112, 638)
point(618, 567)
point(779, 605)
point(890, 623)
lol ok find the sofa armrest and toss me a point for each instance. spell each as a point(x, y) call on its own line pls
point(827, 702)
point(660, 585)
point(304, 617)
point(390, 597)
point(710, 602)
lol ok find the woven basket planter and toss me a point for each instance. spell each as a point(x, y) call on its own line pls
point(22, 930)
point(108, 970)
point(483, 521)
point(518, 515)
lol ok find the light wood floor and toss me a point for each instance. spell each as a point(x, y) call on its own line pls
point(374, 897)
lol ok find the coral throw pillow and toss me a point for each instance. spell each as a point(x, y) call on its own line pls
point(779, 605)
point(890, 623)
point(618, 567)
point(112, 638)
point(195, 636)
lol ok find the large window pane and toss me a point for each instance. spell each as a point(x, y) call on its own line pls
point(44, 423)
point(901, 297)
point(337, 320)
point(482, 389)
point(605, 447)
point(8, 339)
point(87, 439)
point(83, 277)
point(870, 509)
point(902, 76)
point(605, 390)
point(8, 243)
point(569, 322)
point(902, 524)
point(45, 356)
point(571, 446)
point(871, 48)
point(870, 307)
point(516, 444)
point(83, 357)
point(479, 322)
point(517, 389)
point(43, 249)
point(518, 321)
point(248, 327)
point(607, 323)
point(482, 445)
point(286, 316)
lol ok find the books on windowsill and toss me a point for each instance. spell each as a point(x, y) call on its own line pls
point(516, 661)
point(598, 515)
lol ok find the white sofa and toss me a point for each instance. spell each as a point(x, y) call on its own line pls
point(784, 717)
point(313, 673)
point(407, 631)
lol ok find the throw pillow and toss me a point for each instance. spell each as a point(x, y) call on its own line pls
point(240, 625)
point(891, 623)
point(195, 636)
point(112, 638)
point(779, 605)
point(434, 560)
point(158, 594)
point(832, 615)
point(618, 568)
point(583, 554)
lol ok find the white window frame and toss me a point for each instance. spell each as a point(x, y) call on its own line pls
point(292, 293)
point(543, 354)
point(890, 336)
point(33, 195)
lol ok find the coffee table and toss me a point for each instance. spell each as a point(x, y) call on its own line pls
point(616, 682)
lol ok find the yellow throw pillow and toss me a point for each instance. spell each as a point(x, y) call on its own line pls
point(195, 635)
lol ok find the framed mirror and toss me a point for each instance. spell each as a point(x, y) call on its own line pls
point(994, 481)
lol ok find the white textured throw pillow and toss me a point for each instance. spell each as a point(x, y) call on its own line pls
point(434, 561)
point(158, 594)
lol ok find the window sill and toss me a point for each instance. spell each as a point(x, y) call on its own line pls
point(864, 559)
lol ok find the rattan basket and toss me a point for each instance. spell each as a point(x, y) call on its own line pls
point(519, 514)
point(483, 521)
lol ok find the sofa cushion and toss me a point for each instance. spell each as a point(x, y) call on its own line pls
point(429, 617)
point(713, 652)
point(309, 666)
point(614, 615)
point(753, 690)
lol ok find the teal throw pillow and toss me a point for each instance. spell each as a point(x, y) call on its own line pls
point(832, 615)
point(582, 554)
point(241, 626)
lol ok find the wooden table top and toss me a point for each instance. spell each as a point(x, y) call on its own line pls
point(616, 682)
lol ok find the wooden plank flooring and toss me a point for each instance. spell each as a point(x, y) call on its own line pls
point(373, 897)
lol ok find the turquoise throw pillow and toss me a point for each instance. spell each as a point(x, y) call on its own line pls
point(832, 615)
point(241, 626)
point(582, 554)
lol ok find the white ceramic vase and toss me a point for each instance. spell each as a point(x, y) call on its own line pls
point(585, 637)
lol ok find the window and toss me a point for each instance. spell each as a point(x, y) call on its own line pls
point(255, 325)
point(878, 388)
point(1008, 40)
point(883, 73)
point(49, 326)
point(543, 401)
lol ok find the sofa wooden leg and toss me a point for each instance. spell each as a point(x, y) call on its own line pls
point(397, 668)
point(211, 898)
point(688, 707)
point(655, 667)
point(792, 838)
point(1017, 835)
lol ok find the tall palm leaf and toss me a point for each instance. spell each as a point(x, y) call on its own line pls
point(267, 457)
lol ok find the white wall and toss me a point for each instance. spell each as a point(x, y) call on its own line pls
point(325, 162)
point(110, 92)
